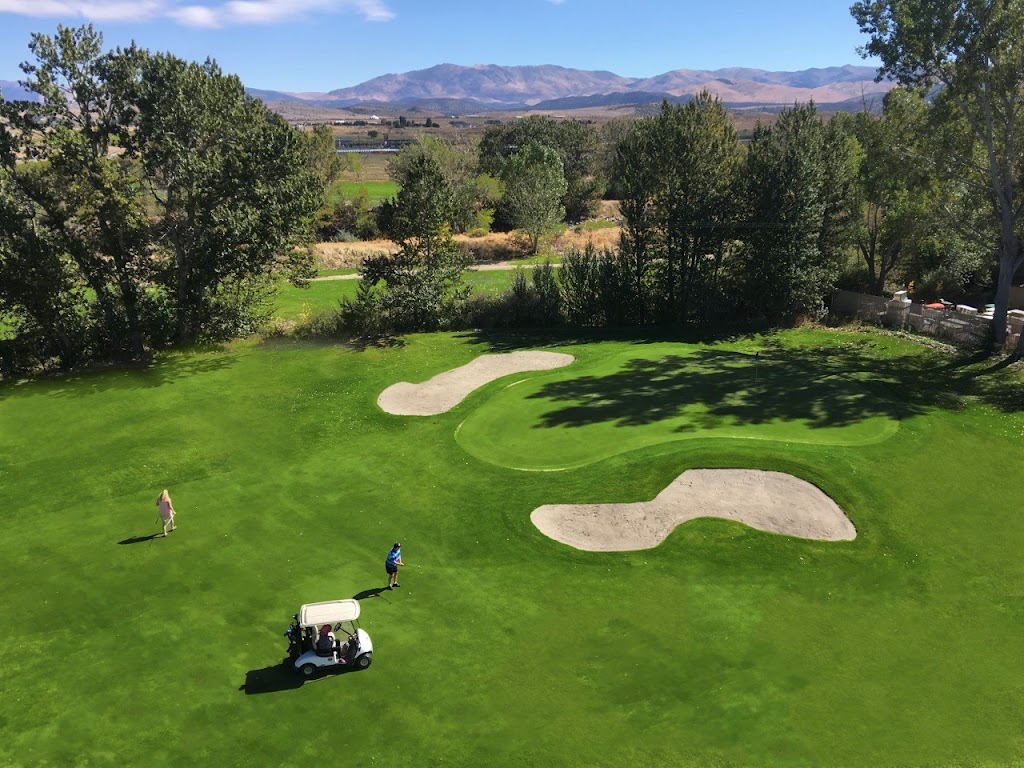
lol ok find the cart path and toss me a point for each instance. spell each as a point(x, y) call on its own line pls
point(491, 267)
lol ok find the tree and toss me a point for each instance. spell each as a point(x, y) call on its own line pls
point(353, 164)
point(421, 286)
point(235, 191)
point(897, 211)
point(971, 51)
point(323, 156)
point(577, 147)
point(534, 187)
point(799, 182)
point(162, 196)
point(84, 205)
point(678, 173)
point(471, 190)
point(421, 213)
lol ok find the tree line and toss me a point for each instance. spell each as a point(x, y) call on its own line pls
point(713, 230)
point(144, 200)
point(924, 194)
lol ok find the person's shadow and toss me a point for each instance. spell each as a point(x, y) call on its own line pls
point(140, 539)
point(375, 592)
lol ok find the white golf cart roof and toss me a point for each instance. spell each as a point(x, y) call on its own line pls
point(330, 612)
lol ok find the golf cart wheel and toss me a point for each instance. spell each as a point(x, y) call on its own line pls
point(308, 670)
point(364, 661)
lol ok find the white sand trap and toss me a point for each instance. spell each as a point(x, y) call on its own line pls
point(768, 501)
point(448, 389)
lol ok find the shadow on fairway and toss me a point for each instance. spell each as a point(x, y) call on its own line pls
point(147, 374)
point(513, 340)
point(375, 592)
point(140, 539)
point(827, 386)
point(280, 677)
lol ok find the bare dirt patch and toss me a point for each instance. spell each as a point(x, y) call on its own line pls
point(448, 389)
point(768, 501)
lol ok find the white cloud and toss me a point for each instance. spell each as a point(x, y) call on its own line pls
point(229, 13)
point(556, 2)
point(195, 16)
point(97, 10)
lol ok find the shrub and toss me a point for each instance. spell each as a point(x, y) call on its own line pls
point(580, 282)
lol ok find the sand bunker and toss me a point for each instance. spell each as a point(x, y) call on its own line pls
point(448, 389)
point(769, 501)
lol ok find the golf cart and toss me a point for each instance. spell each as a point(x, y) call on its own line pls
point(310, 654)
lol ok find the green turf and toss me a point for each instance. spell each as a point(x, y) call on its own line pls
point(293, 303)
point(376, 191)
point(721, 647)
point(318, 296)
point(491, 282)
point(597, 408)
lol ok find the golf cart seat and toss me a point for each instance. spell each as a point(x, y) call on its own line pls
point(326, 651)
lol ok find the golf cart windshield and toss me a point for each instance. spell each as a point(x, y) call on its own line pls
point(330, 612)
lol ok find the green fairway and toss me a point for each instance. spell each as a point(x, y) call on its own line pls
point(721, 647)
point(596, 409)
point(376, 191)
point(293, 303)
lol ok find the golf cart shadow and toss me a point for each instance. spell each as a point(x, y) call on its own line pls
point(281, 677)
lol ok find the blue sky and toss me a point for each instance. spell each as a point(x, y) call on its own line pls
point(318, 45)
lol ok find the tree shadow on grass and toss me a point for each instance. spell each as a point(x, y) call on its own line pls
point(827, 386)
point(143, 375)
point(511, 340)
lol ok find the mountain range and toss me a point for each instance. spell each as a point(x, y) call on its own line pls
point(11, 91)
point(455, 89)
point(493, 87)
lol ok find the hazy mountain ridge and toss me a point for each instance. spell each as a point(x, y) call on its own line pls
point(498, 87)
point(11, 91)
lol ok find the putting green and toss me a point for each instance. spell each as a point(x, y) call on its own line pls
point(658, 393)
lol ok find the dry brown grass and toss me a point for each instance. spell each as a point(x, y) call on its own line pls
point(497, 246)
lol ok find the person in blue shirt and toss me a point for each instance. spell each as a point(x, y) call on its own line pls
point(391, 564)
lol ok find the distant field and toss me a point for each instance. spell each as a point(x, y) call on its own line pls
point(293, 303)
point(377, 191)
point(372, 167)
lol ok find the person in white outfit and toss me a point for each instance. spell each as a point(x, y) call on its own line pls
point(163, 504)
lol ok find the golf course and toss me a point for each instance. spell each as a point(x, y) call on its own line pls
point(721, 646)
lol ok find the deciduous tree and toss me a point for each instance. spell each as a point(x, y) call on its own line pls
point(534, 188)
point(234, 188)
point(972, 51)
point(577, 147)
